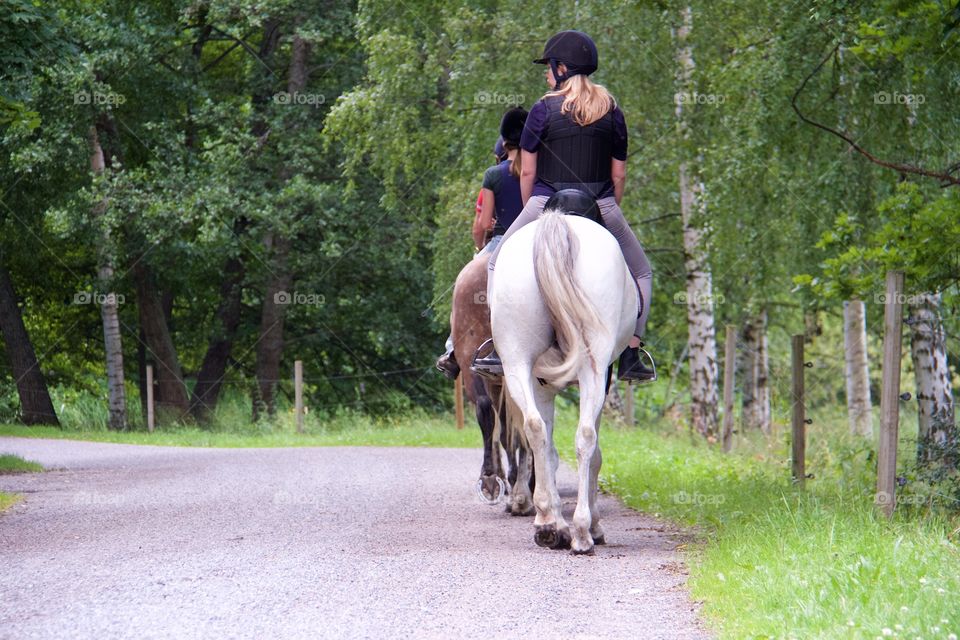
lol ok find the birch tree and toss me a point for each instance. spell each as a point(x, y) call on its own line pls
point(699, 289)
point(107, 300)
point(856, 367)
point(756, 373)
point(928, 350)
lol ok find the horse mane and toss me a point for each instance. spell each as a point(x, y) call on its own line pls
point(555, 250)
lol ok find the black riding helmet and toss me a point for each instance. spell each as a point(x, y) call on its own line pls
point(511, 125)
point(575, 49)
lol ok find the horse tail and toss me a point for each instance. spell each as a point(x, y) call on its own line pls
point(573, 315)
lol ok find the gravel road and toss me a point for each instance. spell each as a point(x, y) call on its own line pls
point(126, 541)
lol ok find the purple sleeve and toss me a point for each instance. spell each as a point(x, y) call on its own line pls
point(619, 135)
point(534, 128)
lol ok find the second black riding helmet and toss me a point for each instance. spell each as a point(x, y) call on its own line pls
point(511, 125)
point(575, 49)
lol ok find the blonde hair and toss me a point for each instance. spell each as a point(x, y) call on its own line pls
point(515, 164)
point(586, 101)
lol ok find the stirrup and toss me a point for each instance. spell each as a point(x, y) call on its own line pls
point(479, 370)
point(653, 365)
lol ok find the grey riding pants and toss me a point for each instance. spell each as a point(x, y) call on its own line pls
point(616, 224)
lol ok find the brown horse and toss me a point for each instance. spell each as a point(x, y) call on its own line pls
point(470, 327)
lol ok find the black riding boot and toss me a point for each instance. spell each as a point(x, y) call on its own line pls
point(447, 363)
point(632, 368)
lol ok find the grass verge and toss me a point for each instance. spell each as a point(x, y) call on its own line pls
point(773, 561)
point(7, 500)
point(10, 463)
point(14, 464)
point(417, 430)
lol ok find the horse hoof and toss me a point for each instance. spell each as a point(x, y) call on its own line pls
point(548, 536)
point(584, 552)
point(520, 511)
point(491, 489)
point(600, 540)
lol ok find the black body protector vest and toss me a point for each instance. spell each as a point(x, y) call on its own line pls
point(575, 157)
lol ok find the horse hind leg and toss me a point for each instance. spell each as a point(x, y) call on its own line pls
point(520, 474)
point(552, 531)
point(490, 486)
point(596, 531)
point(585, 520)
point(537, 408)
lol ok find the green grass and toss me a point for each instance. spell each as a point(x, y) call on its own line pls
point(15, 464)
point(416, 430)
point(774, 561)
point(7, 500)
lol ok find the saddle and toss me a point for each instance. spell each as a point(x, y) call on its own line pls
point(576, 203)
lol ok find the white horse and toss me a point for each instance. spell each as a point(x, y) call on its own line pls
point(563, 306)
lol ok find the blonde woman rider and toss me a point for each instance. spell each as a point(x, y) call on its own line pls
point(575, 137)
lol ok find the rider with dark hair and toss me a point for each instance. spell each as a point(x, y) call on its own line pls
point(576, 138)
point(499, 203)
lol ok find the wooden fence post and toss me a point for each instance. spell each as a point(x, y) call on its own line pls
point(799, 423)
point(629, 409)
point(298, 393)
point(729, 367)
point(890, 394)
point(458, 399)
point(150, 414)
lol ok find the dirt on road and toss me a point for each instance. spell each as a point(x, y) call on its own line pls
point(126, 541)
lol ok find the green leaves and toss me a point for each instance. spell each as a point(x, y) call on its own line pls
point(919, 233)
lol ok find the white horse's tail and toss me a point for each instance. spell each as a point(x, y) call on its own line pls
point(573, 315)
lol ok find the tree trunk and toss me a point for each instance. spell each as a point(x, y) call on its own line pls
point(746, 368)
point(762, 375)
point(206, 392)
point(857, 369)
point(755, 365)
point(699, 294)
point(35, 404)
point(214, 367)
point(270, 344)
point(171, 394)
point(937, 436)
point(117, 401)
